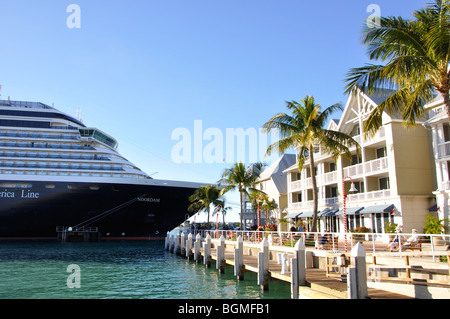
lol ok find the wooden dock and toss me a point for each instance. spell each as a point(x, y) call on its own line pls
point(319, 285)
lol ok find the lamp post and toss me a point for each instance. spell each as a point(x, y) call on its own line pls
point(259, 213)
point(217, 218)
point(351, 190)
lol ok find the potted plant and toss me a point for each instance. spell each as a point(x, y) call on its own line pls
point(359, 230)
point(435, 226)
point(390, 228)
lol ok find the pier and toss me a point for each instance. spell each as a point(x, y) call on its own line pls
point(320, 274)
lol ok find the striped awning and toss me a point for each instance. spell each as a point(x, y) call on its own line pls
point(307, 215)
point(292, 215)
point(328, 212)
point(350, 211)
point(378, 209)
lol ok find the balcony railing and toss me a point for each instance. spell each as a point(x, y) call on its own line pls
point(381, 194)
point(372, 167)
point(331, 201)
point(444, 150)
point(379, 135)
point(324, 179)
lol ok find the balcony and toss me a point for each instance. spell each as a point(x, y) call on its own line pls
point(379, 136)
point(380, 194)
point(323, 179)
point(368, 168)
point(331, 201)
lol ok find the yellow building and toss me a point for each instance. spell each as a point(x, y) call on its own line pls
point(393, 173)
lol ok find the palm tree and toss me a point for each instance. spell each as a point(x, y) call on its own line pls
point(241, 179)
point(203, 197)
point(304, 130)
point(225, 208)
point(417, 56)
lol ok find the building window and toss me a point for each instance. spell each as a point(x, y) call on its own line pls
point(381, 152)
point(356, 160)
point(384, 183)
point(333, 167)
point(446, 128)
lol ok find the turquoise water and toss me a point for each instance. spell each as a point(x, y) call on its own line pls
point(141, 270)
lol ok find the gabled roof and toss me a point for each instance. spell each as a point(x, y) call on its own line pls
point(275, 172)
point(352, 107)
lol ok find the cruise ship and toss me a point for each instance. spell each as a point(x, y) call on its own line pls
point(57, 172)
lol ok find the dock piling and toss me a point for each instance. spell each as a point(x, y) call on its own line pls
point(220, 263)
point(197, 243)
point(207, 251)
point(300, 255)
point(239, 259)
point(294, 278)
point(189, 247)
point(263, 265)
point(182, 244)
point(357, 274)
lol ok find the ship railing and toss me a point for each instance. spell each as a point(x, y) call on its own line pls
point(60, 229)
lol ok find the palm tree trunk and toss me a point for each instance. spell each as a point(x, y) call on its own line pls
point(314, 187)
point(207, 211)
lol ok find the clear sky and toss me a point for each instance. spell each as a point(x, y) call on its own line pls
point(141, 69)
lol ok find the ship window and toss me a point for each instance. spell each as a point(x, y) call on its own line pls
point(15, 185)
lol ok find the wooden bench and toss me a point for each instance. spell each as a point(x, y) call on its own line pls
point(413, 246)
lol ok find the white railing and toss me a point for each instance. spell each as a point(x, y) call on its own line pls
point(336, 242)
point(371, 167)
point(328, 178)
point(323, 179)
point(379, 135)
point(331, 201)
point(298, 205)
point(296, 185)
point(443, 150)
point(445, 186)
point(381, 194)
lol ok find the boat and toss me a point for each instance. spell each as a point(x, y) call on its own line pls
point(56, 173)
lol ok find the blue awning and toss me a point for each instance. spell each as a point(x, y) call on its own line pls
point(350, 211)
point(378, 209)
point(307, 215)
point(292, 215)
point(328, 212)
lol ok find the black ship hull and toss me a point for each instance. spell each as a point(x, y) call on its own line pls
point(118, 210)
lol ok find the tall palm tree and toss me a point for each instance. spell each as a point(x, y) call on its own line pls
point(241, 179)
point(203, 197)
point(417, 56)
point(304, 130)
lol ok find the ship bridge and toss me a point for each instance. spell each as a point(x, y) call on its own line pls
point(89, 134)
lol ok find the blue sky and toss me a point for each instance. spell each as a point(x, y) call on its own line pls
point(138, 70)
